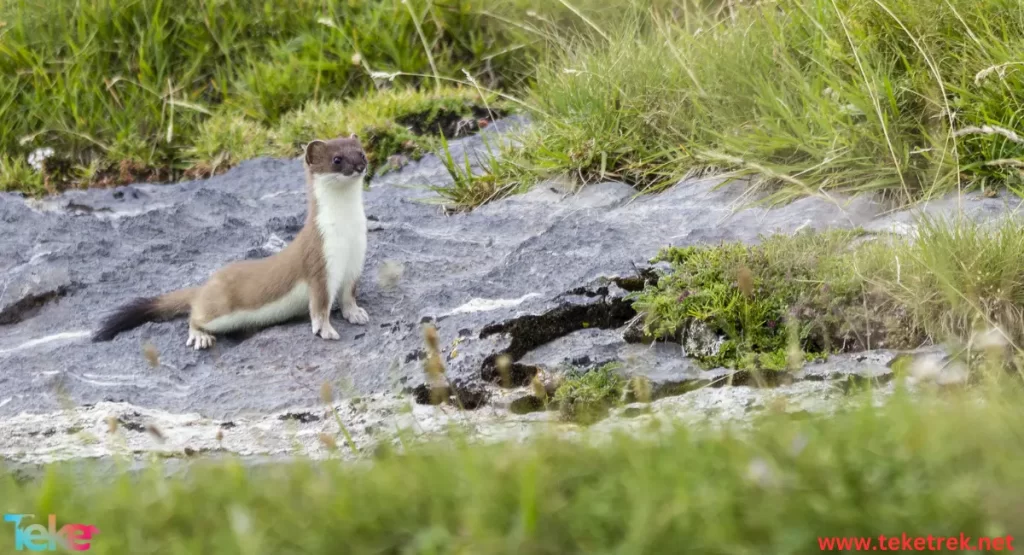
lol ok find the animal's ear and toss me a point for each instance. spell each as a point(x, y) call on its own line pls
point(353, 136)
point(315, 147)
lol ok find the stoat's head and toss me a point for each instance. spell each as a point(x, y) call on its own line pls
point(339, 160)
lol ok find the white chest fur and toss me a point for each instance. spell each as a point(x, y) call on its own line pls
point(341, 221)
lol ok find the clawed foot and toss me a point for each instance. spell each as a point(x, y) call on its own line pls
point(323, 328)
point(328, 332)
point(355, 315)
point(199, 339)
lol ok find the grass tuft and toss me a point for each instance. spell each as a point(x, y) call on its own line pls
point(17, 175)
point(224, 140)
point(471, 187)
point(586, 397)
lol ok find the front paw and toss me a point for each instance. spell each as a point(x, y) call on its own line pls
point(355, 315)
point(328, 332)
point(323, 328)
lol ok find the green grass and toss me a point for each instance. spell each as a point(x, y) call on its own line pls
point(130, 84)
point(123, 90)
point(900, 97)
point(806, 288)
point(905, 98)
point(811, 295)
point(935, 466)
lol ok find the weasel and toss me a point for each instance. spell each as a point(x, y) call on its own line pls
point(321, 265)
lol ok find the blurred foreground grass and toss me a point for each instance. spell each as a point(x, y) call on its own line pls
point(943, 464)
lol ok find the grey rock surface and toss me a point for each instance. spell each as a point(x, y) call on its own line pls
point(539, 277)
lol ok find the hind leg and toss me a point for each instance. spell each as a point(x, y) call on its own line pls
point(199, 339)
point(207, 307)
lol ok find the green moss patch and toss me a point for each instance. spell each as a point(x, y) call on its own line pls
point(793, 298)
point(783, 298)
point(586, 396)
point(400, 122)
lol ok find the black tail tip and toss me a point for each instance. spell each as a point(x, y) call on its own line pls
point(127, 317)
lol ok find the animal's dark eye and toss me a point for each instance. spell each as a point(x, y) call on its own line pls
point(337, 160)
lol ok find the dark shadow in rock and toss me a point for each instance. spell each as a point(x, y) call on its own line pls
point(645, 275)
point(516, 375)
point(301, 417)
point(753, 378)
point(129, 422)
point(633, 412)
point(452, 124)
point(581, 308)
point(418, 354)
point(634, 333)
point(73, 207)
point(465, 396)
point(29, 305)
point(45, 433)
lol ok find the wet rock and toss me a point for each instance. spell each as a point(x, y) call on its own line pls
point(666, 369)
point(581, 349)
point(873, 366)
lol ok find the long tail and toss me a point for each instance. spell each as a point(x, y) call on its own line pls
point(146, 309)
